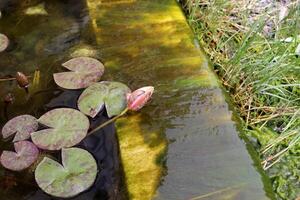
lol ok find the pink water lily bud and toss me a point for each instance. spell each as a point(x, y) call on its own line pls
point(137, 99)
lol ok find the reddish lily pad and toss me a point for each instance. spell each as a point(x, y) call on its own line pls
point(138, 98)
point(26, 154)
point(4, 42)
point(22, 126)
point(76, 174)
point(84, 72)
point(67, 127)
point(111, 94)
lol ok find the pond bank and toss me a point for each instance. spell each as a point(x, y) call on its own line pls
point(254, 46)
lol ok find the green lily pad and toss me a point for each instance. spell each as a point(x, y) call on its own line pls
point(111, 94)
point(4, 42)
point(22, 126)
point(26, 154)
point(76, 174)
point(67, 127)
point(84, 72)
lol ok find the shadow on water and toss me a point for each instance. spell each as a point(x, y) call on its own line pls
point(43, 42)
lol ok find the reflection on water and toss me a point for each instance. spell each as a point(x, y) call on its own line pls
point(183, 145)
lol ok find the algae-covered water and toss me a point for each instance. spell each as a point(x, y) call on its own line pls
point(182, 145)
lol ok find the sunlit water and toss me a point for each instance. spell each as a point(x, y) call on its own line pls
point(183, 145)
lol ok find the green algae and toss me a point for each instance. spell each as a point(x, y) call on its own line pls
point(140, 150)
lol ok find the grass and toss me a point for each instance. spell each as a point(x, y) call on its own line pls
point(253, 47)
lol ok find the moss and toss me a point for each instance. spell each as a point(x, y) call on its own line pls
point(139, 157)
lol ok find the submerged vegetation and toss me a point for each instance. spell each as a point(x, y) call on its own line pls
point(254, 46)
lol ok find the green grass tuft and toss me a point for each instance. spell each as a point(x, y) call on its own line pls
point(253, 48)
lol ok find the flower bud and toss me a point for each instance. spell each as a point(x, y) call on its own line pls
point(137, 99)
point(22, 80)
point(9, 98)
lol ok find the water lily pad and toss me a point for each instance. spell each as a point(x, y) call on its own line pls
point(110, 94)
point(25, 155)
point(76, 174)
point(67, 127)
point(4, 41)
point(84, 72)
point(22, 126)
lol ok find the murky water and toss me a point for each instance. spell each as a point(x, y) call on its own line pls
point(43, 42)
point(183, 145)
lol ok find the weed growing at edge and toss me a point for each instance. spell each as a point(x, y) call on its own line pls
point(254, 50)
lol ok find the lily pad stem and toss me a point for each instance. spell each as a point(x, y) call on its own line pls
point(108, 122)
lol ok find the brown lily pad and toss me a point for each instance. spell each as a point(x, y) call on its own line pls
point(67, 127)
point(22, 126)
point(84, 72)
point(26, 154)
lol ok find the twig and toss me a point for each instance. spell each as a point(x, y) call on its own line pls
point(248, 114)
point(277, 140)
point(270, 117)
point(279, 155)
point(266, 166)
point(10, 79)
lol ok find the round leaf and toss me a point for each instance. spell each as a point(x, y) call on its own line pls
point(82, 64)
point(22, 126)
point(112, 94)
point(76, 80)
point(76, 174)
point(91, 101)
point(4, 41)
point(26, 154)
point(84, 72)
point(116, 100)
point(67, 127)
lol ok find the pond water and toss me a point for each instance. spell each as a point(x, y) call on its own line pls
point(183, 145)
point(42, 42)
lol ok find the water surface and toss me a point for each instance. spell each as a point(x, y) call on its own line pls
point(183, 145)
